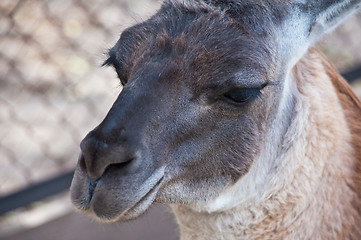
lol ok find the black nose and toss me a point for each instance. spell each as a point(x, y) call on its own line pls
point(98, 154)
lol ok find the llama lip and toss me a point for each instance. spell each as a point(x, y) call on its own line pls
point(143, 204)
point(91, 187)
point(107, 202)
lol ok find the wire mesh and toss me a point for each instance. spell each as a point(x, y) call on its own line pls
point(52, 90)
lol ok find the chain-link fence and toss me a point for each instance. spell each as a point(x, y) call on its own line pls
point(52, 90)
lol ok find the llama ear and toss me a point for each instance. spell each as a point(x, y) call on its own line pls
point(308, 20)
point(324, 15)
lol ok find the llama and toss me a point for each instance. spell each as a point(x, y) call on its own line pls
point(229, 116)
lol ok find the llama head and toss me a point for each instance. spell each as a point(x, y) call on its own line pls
point(206, 85)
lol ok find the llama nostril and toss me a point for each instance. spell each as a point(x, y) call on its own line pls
point(98, 156)
point(89, 161)
point(84, 166)
point(81, 163)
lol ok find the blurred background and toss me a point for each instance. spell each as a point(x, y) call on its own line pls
point(53, 91)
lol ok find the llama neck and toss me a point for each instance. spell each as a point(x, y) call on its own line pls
point(307, 193)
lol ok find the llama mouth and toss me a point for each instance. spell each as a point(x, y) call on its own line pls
point(143, 204)
point(91, 187)
point(117, 206)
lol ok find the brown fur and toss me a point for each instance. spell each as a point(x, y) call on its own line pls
point(352, 110)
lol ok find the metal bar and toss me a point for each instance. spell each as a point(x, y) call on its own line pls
point(36, 192)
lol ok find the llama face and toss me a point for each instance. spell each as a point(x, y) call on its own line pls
point(199, 92)
point(203, 90)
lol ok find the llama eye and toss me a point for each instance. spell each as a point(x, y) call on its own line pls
point(241, 95)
